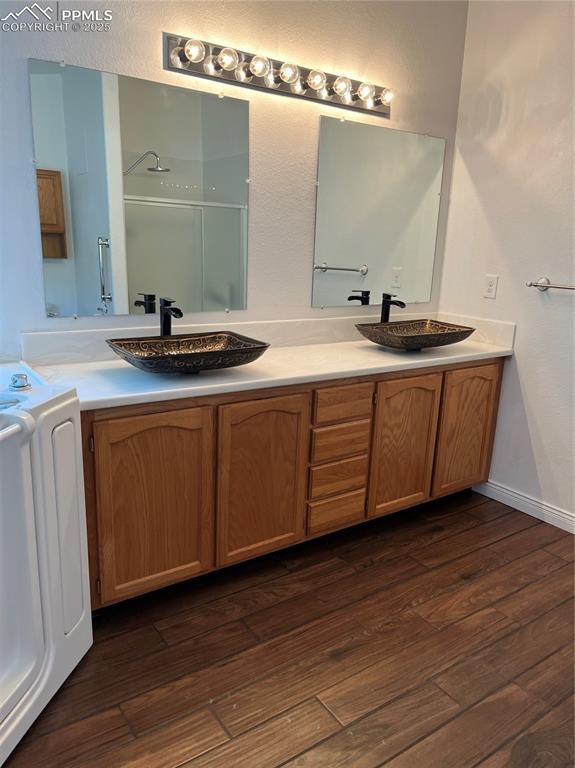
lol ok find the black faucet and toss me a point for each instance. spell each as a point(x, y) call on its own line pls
point(166, 314)
point(386, 304)
point(363, 298)
point(148, 302)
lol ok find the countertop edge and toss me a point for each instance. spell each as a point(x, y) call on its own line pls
point(89, 402)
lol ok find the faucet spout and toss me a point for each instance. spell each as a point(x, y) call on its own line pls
point(166, 314)
point(387, 301)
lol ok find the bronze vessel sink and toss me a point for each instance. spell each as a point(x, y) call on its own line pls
point(188, 353)
point(414, 334)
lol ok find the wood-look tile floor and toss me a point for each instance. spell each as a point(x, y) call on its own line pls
point(440, 637)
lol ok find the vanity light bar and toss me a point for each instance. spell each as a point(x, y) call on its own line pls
point(215, 62)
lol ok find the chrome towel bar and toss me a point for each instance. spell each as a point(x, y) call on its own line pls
point(543, 284)
point(324, 267)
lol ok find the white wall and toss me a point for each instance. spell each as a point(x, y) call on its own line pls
point(511, 214)
point(414, 47)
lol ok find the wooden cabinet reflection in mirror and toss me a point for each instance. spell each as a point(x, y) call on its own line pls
point(52, 220)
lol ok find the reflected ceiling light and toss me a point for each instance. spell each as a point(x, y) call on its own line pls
point(203, 59)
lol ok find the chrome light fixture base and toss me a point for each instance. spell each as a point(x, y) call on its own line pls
point(175, 60)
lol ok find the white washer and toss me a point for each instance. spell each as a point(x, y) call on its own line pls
point(45, 617)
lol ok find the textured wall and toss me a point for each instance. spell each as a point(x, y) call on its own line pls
point(511, 214)
point(415, 47)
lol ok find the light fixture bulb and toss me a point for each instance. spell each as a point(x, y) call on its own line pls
point(342, 86)
point(289, 73)
point(260, 66)
point(243, 74)
point(386, 96)
point(194, 51)
point(316, 79)
point(177, 56)
point(366, 91)
point(212, 66)
point(228, 59)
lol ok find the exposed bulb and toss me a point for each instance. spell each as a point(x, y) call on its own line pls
point(342, 86)
point(289, 73)
point(212, 65)
point(177, 56)
point(195, 51)
point(386, 96)
point(243, 74)
point(300, 87)
point(366, 91)
point(228, 59)
point(316, 79)
point(260, 66)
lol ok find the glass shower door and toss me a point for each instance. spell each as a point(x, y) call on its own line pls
point(164, 252)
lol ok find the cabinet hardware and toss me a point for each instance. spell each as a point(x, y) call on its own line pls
point(98, 586)
point(375, 398)
point(91, 444)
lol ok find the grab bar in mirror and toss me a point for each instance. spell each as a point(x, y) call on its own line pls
point(324, 267)
point(543, 284)
point(106, 298)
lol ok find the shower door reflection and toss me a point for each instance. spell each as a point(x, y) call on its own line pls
point(177, 248)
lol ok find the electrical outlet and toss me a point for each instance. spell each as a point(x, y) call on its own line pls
point(490, 286)
point(396, 277)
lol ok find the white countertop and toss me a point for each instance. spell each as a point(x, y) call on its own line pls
point(112, 383)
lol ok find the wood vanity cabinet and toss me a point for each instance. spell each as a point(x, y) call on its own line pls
point(262, 460)
point(154, 485)
point(179, 488)
point(466, 427)
point(404, 433)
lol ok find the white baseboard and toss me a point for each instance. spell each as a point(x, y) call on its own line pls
point(550, 514)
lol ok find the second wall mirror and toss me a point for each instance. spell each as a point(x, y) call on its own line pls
point(377, 209)
point(142, 190)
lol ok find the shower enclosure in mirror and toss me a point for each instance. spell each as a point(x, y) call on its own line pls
point(142, 190)
point(377, 208)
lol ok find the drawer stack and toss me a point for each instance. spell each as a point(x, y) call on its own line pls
point(339, 463)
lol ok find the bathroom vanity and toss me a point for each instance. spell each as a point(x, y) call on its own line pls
point(179, 487)
point(185, 475)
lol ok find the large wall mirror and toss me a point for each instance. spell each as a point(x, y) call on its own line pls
point(377, 210)
point(142, 189)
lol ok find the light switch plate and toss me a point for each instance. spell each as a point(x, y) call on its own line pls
point(490, 286)
point(396, 277)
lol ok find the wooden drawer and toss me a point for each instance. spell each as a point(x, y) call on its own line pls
point(335, 404)
point(338, 477)
point(339, 441)
point(335, 512)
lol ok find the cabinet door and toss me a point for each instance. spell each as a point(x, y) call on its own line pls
point(155, 488)
point(403, 442)
point(466, 428)
point(262, 475)
point(50, 201)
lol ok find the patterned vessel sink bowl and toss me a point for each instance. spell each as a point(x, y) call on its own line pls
point(414, 334)
point(189, 353)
